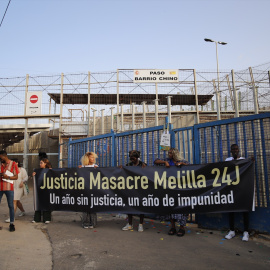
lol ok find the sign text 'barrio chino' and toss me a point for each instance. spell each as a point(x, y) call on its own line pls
point(156, 76)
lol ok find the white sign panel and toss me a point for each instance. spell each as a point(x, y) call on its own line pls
point(33, 104)
point(156, 76)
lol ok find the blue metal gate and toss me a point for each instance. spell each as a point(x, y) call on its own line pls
point(212, 143)
point(202, 143)
point(112, 149)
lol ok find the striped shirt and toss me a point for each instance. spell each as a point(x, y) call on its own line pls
point(12, 167)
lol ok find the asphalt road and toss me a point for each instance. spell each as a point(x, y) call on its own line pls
point(64, 244)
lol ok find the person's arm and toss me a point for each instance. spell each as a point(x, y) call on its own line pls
point(159, 162)
point(181, 163)
point(15, 172)
point(144, 165)
point(24, 175)
point(13, 177)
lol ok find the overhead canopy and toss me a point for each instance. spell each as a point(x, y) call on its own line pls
point(10, 134)
point(130, 98)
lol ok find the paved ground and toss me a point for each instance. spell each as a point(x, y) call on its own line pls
point(64, 244)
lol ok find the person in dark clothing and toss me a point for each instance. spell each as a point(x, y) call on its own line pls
point(134, 156)
point(47, 215)
point(174, 159)
point(231, 233)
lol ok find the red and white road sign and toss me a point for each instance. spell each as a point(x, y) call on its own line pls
point(34, 99)
point(33, 105)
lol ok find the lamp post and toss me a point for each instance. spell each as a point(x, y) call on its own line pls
point(218, 91)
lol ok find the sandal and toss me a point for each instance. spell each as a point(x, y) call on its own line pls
point(181, 232)
point(172, 231)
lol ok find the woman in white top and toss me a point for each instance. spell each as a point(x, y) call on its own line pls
point(19, 188)
point(89, 220)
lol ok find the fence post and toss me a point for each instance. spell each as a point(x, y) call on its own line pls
point(196, 146)
point(60, 122)
point(112, 117)
point(113, 161)
point(69, 154)
point(156, 112)
point(236, 104)
point(197, 117)
point(26, 135)
point(102, 121)
point(88, 105)
point(122, 117)
point(172, 137)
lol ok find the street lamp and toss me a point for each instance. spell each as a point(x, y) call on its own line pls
point(218, 91)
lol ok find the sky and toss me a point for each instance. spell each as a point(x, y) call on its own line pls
point(69, 36)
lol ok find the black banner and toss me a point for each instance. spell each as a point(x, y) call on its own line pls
point(214, 187)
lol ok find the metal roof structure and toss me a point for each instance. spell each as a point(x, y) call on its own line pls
point(10, 134)
point(130, 98)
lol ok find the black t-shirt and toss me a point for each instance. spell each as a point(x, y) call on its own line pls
point(140, 164)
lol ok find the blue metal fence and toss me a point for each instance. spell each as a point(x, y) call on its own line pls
point(113, 148)
point(212, 142)
point(202, 143)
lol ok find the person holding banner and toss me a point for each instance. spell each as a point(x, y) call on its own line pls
point(47, 215)
point(9, 172)
point(134, 157)
point(231, 234)
point(88, 219)
point(174, 159)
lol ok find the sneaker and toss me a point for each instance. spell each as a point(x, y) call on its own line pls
point(33, 221)
point(245, 236)
point(47, 222)
point(12, 228)
point(127, 227)
point(85, 226)
point(91, 226)
point(7, 220)
point(140, 228)
point(21, 214)
point(230, 235)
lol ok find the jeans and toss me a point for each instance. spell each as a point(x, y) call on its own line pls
point(10, 198)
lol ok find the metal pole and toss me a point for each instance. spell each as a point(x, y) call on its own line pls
point(218, 89)
point(102, 121)
point(60, 122)
point(156, 112)
point(144, 114)
point(169, 109)
point(88, 102)
point(255, 92)
point(26, 137)
point(50, 106)
point(122, 117)
point(197, 118)
point(236, 107)
point(112, 117)
point(133, 116)
point(94, 122)
point(117, 98)
point(230, 90)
